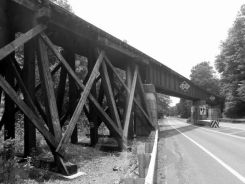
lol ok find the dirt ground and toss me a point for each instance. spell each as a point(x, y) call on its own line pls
point(100, 167)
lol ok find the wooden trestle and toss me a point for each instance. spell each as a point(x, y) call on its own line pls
point(47, 115)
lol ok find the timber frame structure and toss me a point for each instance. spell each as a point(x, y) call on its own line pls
point(44, 26)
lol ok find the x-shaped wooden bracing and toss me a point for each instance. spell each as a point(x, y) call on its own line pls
point(53, 135)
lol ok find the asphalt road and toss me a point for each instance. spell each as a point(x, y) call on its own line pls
point(200, 155)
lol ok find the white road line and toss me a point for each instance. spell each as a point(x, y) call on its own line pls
point(228, 134)
point(235, 136)
point(227, 167)
point(237, 132)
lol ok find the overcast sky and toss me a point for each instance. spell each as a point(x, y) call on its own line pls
point(177, 33)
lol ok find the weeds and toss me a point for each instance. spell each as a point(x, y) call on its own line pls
point(8, 162)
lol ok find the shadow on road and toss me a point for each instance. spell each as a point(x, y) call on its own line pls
point(170, 131)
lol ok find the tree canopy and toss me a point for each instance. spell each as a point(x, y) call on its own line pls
point(230, 63)
point(204, 76)
point(183, 108)
point(163, 102)
point(64, 4)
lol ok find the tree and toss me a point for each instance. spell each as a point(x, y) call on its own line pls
point(184, 108)
point(173, 111)
point(204, 76)
point(163, 102)
point(230, 63)
point(64, 4)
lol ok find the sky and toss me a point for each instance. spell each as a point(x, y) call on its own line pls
point(178, 33)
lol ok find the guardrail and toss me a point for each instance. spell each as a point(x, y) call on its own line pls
point(147, 164)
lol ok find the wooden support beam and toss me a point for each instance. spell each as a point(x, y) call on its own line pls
point(54, 69)
point(130, 104)
point(61, 90)
point(12, 46)
point(37, 121)
point(73, 92)
point(128, 91)
point(51, 106)
point(40, 110)
point(129, 79)
point(33, 120)
point(142, 94)
point(29, 82)
point(93, 117)
point(101, 112)
point(8, 118)
point(6, 36)
point(101, 94)
point(109, 94)
point(82, 101)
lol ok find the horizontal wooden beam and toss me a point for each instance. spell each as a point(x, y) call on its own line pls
point(12, 46)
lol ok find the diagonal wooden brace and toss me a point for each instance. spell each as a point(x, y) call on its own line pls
point(101, 112)
point(48, 86)
point(130, 104)
point(82, 101)
point(53, 70)
point(128, 91)
point(36, 120)
point(110, 97)
point(12, 46)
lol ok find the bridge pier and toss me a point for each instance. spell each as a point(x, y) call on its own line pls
point(195, 111)
point(151, 102)
point(214, 113)
point(144, 129)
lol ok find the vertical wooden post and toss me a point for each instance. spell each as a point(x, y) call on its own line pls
point(61, 90)
point(73, 91)
point(29, 80)
point(6, 35)
point(127, 125)
point(129, 78)
point(92, 110)
point(4, 32)
point(8, 118)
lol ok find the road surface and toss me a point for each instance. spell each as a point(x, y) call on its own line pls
point(200, 155)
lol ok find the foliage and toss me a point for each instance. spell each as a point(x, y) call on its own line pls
point(204, 76)
point(184, 108)
point(173, 111)
point(64, 4)
point(163, 102)
point(230, 63)
point(8, 162)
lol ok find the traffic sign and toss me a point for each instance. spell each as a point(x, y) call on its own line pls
point(203, 110)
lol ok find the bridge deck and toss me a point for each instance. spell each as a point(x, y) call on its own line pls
point(69, 31)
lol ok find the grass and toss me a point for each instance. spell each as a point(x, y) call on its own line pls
point(99, 166)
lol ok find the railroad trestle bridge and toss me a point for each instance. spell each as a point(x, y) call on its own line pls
point(45, 28)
